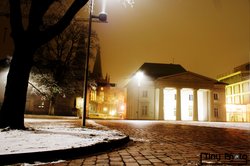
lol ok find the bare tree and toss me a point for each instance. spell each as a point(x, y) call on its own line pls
point(27, 39)
point(59, 64)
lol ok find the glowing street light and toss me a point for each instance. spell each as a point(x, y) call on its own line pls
point(139, 76)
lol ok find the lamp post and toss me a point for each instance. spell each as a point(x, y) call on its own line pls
point(102, 17)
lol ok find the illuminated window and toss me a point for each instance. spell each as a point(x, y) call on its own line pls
point(229, 100)
point(216, 96)
point(144, 93)
point(236, 89)
point(216, 112)
point(190, 97)
point(144, 109)
point(229, 90)
point(237, 99)
point(246, 99)
point(102, 96)
point(93, 95)
point(246, 87)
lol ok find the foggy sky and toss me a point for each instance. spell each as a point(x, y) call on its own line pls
point(208, 37)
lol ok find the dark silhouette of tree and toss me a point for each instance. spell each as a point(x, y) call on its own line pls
point(59, 64)
point(27, 39)
point(54, 72)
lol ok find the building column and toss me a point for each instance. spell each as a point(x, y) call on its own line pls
point(210, 105)
point(195, 105)
point(232, 95)
point(241, 93)
point(178, 104)
point(156, 105)
point(161, 105)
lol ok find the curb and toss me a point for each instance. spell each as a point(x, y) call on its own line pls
point(63, 154)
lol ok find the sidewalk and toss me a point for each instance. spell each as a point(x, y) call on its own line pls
point(228, 125)
point(56, 139)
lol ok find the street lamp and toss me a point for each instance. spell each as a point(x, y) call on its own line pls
point(102, 17)
point(139, 76)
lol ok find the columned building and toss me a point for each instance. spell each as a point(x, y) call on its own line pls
point(169, 92)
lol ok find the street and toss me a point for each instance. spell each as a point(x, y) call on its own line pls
point(164, 143)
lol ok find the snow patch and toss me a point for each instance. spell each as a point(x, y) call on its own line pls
point(53, 137)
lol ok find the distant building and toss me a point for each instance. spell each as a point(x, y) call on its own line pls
point(170, 92)
point(238, 93)
point(105, 100)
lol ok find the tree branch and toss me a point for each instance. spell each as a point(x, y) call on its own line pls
point(57, 28)
point(16, 19)
point(37, 10)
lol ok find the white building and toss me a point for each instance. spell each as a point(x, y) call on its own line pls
point(169, 92)
point(238, 93)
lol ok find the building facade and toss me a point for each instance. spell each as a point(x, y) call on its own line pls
point(169, 92)
point(238, 93)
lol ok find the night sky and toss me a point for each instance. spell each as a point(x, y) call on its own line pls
point(208, 37)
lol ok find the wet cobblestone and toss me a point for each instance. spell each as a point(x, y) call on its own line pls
point(162, 143)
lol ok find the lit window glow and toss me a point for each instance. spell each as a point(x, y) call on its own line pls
point(105, 109)
point(112, 113)
point(236, 112)
point(122, 107)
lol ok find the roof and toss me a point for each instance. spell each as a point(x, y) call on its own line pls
point(156, 70)
point(193, 77)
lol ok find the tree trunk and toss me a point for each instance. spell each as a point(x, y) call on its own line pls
point(26, 42)
point(52, 106)
point(13, 108)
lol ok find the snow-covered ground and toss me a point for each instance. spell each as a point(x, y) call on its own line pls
point(56, 134)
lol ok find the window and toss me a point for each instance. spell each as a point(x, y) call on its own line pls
point(246, 99)
point(190, 97)
point(229, 100)
point(237, 99)
point(144, 93)
point(144, 109)
point(93, 95)
point(236, 89)
point(216, 96)
point(216, 112)
point(246, 87)
point(101, 97)
point(228, 90)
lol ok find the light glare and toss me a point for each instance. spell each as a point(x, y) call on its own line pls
point(139, 76)
point(104, 2)
point(128, 3)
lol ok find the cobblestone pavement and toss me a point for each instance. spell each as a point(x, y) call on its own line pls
point(163, 143)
